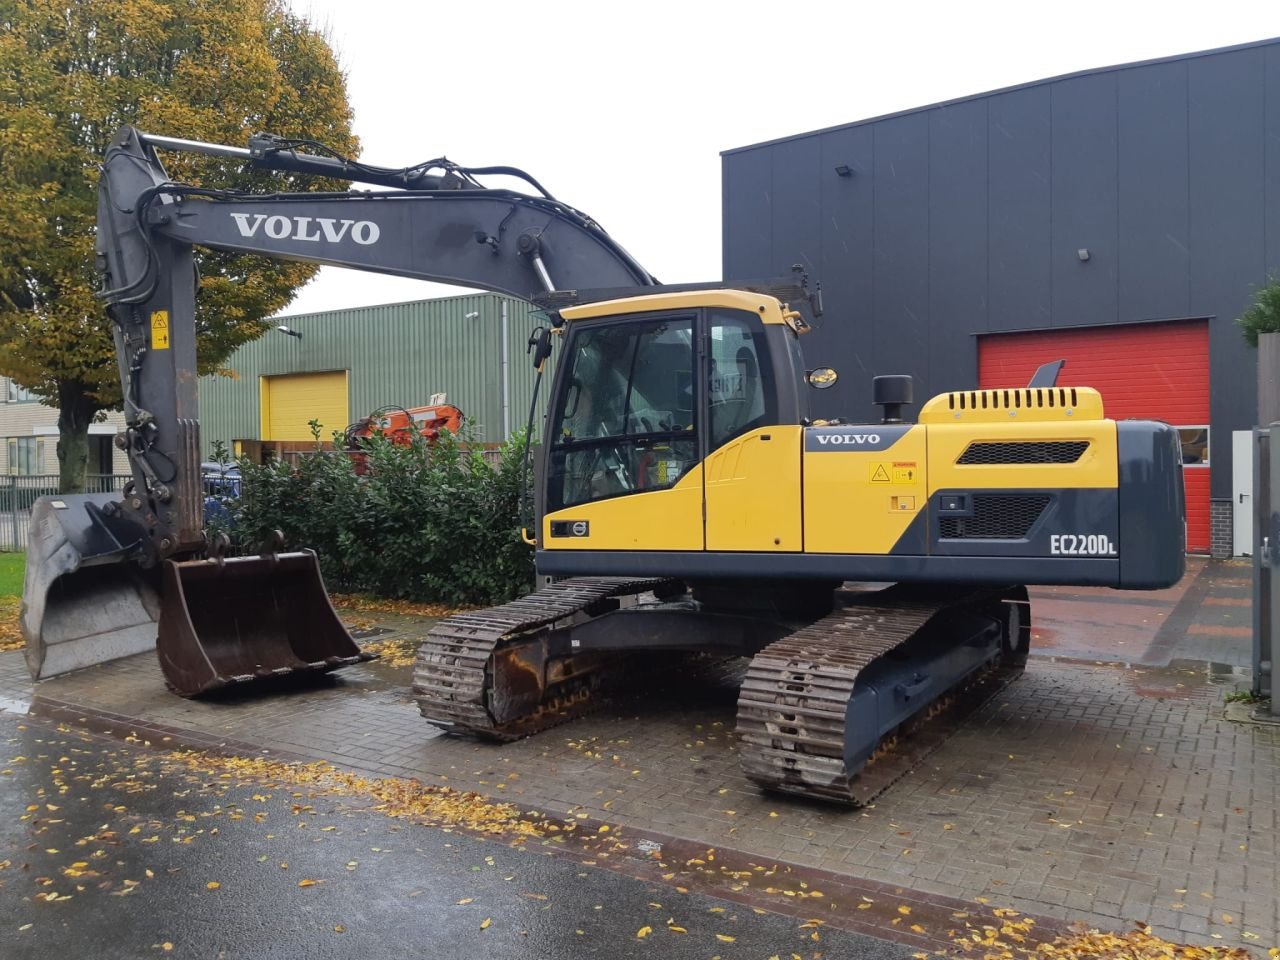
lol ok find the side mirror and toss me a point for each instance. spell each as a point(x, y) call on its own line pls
point(821, 378)
point(539, 345)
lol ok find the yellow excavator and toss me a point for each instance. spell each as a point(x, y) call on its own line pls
point(874, 573)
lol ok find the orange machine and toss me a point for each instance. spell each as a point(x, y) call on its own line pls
point(399, 425)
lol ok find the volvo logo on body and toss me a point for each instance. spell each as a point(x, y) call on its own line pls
point(314, 229)
point(854, 439)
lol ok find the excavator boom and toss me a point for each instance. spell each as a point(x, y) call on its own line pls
point(441, 224)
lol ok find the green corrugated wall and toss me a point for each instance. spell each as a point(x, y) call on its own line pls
point(397, 353)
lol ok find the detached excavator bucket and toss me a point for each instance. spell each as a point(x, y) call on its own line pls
point(84, 601)
point(242, 619)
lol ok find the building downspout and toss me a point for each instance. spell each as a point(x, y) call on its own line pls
point(506, 373)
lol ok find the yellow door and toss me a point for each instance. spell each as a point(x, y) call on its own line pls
point(753, 492)
point(291, 401)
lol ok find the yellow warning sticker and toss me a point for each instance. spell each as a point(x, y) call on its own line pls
point(160, 330)
point(900, 471)
point(905, 471)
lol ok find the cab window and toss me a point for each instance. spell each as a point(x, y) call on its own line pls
point(625, 420)
point(740, 390)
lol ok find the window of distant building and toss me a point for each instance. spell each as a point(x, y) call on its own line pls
point(19, 394)
point(26, 455)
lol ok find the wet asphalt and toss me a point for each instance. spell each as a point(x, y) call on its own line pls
point(216, 868)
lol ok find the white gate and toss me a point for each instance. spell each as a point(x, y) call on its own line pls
point(1242, 493)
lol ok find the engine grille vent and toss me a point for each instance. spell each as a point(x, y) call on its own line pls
point(1019, 398)
point(1023, 451)
point(996, 516)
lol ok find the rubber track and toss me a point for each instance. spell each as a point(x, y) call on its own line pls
point(451, 675)
point(792, 706)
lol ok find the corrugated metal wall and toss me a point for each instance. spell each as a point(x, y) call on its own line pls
point(399, 353)
point(969, 217)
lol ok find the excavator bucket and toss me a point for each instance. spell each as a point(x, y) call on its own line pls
point(241, 619)
point(83, 602)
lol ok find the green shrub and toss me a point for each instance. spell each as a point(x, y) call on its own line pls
point(1263, 315)
point(427, 522)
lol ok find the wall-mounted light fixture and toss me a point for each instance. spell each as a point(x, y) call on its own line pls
point(287, 332)
point(1083, 254)
point(844, 170)
point(471, 316)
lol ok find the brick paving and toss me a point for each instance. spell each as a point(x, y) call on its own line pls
point(1103, 785)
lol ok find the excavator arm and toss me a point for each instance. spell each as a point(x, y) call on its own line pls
point(93, 588)
point(444, 227)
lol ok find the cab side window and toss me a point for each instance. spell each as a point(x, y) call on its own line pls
point(740, 389)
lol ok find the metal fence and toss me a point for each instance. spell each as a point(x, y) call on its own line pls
point(18, 493)
point(1266, 564)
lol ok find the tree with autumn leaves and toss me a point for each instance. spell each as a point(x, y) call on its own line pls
point(71, 73)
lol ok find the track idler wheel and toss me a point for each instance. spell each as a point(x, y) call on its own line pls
point(529, 690)
point(1016, 620)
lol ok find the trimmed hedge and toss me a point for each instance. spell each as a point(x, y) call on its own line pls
point(435, 523)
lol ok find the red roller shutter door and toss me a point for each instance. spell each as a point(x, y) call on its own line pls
point(1158, 371)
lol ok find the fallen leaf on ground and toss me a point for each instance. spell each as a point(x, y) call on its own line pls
point(10, 633)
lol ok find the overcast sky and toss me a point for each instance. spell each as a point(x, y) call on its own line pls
point(622, 109)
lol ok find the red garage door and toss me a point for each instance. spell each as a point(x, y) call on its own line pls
point(1158, 371)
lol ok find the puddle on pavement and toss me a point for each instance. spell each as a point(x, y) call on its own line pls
point(1089, 645)
point(366, 633)
point(1184, 679)
point(1045, 638)
point(384, 675)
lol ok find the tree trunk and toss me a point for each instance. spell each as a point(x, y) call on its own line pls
point(75, 413)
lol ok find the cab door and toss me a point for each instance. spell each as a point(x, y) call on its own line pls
point(624, 470)
point(751, 474)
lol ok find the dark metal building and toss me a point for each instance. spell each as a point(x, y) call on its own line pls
point(963, 241)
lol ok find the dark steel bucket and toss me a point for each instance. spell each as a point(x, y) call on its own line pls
point(84, 601)
point(244, 619)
